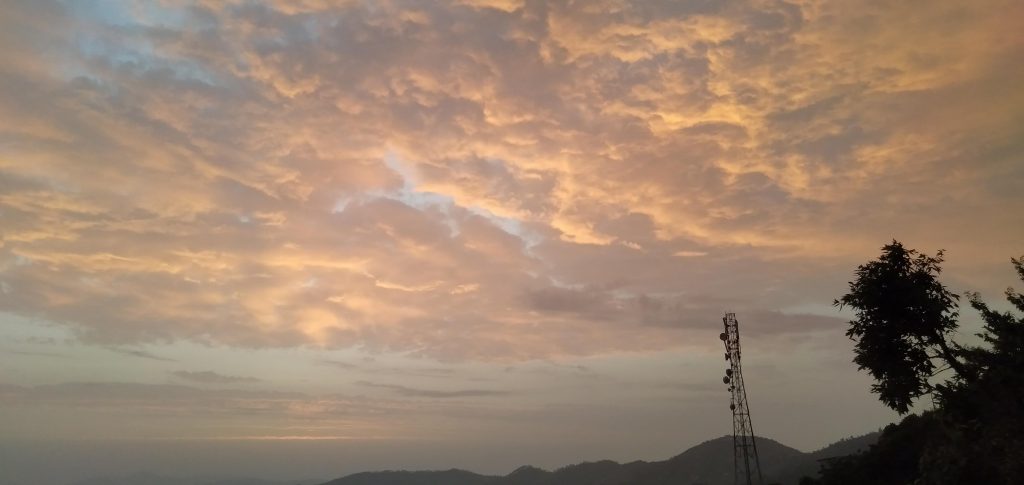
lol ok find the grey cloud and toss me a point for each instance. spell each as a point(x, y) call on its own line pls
point(555, 369)
point(717, 129)
point(171, 400)
point(142, 354)
point(768, 322)
point(433, 393)
point(32, 353)
point(35, 340)
point(210, 377)
point(702, 387)
point(115, 393)
point(697, 312)
point(554, 299)
point(339, 364)
point(810, 112)
point(417, 371)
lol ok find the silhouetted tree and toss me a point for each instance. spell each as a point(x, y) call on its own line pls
point(904, 319)
point(983, 417)
point(975, 433)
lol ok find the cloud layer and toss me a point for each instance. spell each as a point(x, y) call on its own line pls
point(490, 180)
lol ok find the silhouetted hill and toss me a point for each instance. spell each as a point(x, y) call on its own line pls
point(848, 446)
point(590, 473)
point(526, 475)
point(709, 463)
point(808, 466)
point(447, 477)
point(153, 479)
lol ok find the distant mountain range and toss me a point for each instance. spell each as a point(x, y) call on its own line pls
point(709, 463)
point(153, 479)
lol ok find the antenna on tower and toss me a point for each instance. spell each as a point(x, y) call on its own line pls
point(746, 462)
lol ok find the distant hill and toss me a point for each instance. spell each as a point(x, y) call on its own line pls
point(447, 477)
point(709, 463)
point(808, 465)
point(153, 479)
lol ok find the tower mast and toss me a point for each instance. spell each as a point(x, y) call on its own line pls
point(745, 459)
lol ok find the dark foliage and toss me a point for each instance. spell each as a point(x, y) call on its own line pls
point(904, 318)
point(975, 433)
point(892, 460)
point(984, 417)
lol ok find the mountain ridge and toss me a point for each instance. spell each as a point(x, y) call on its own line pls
point(145, 478)
point(708, 463)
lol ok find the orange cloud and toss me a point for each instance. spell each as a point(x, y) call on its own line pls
point(488, 180)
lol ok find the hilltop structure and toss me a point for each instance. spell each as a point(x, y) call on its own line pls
point(747, 463)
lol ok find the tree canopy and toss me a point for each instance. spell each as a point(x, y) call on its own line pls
point(904, 316)
point(904, 320)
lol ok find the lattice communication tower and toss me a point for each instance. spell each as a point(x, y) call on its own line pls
point(747, 466)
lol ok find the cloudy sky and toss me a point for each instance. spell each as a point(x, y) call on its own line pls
point(314, 237)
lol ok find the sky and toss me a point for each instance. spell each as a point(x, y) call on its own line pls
point(310, 238)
